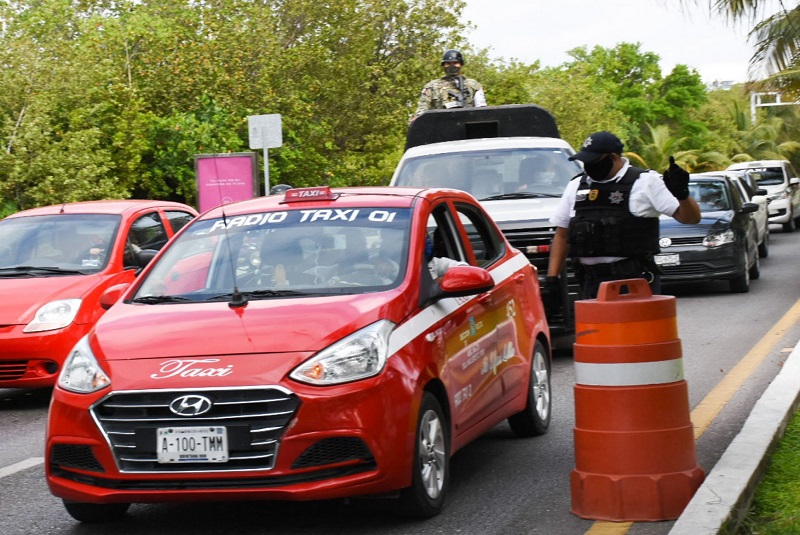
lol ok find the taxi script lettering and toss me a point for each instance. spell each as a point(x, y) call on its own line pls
point(191, 368)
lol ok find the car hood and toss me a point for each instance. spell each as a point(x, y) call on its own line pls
point(22, 297)
point(136, 331)
point(504, 211)
point(710, 222)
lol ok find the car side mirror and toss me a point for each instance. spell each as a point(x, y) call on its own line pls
point(112, 295)
point(761, 191)
point(794, 181)
point(146, 256)
point(749, 208)
point(759, 199)
point(460, 281)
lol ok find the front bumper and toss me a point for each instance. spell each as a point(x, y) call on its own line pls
point(33, 360)
point(779, 212)
point(326, 443)
point(699, 263)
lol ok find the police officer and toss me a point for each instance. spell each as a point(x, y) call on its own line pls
point(608, 218)
point(452, 90)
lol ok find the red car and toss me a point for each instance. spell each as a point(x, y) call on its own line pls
point(55, 262)
point(300, 346)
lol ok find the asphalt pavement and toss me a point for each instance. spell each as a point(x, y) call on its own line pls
point(724, 498)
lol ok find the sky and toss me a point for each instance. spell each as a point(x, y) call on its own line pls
point(545, 30)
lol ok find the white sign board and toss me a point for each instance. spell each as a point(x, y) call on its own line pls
point(265, 131)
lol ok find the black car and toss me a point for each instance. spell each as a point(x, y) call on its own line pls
point(722, 246)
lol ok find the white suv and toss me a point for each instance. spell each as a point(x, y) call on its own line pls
point(780, 180)
point(513, 161)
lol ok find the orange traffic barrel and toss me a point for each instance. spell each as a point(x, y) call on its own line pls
point(634, 442)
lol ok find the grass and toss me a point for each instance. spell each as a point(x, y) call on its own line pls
point(776, 505)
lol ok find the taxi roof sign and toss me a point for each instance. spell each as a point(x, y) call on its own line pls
point(317, 193)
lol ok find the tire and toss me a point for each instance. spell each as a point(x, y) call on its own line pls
point(789, 226)
point(755, 269)
point(95, 513)
point(535, 418)
point(763, 248)
point(431, 467)
point(741, 284)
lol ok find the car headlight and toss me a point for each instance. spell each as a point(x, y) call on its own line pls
point(358, 356)
point(777, 196)
point(54, 315)
point(81, 372)
point(720, 238)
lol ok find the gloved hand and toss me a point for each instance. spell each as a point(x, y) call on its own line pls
point(551, 294)
point(676, 180)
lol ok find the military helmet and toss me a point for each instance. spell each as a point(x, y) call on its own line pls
point(451, 56)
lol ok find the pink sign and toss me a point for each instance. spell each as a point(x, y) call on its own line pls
point(225, 178)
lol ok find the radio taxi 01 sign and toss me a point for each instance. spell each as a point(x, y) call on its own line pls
point(225, 178)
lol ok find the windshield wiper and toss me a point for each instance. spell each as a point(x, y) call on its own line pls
point(25, 270)
point(257, 293)
point(156, 299)
point(519, 195)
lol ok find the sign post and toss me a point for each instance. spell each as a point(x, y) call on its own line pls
point(265, 133)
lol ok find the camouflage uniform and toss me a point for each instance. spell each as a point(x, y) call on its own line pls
point(443, 93)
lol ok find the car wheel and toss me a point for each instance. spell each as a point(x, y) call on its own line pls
point(741, 284)
point(96, 512)
point(763, 248)
point(431, 466)
point(535, 418)
point(789, 226)
point(755, 269)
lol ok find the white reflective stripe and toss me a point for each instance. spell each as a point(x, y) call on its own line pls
point(629, 374)
point(408, 331)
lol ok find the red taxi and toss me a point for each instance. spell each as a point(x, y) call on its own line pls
point(55, 262)
point(299, 347)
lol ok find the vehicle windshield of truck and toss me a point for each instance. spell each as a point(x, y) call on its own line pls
point(282, 254)
point(493, 174)
point(768, 176)
point(60, 244)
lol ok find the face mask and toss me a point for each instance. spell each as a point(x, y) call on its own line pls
point(600, 169)
point(451, 70)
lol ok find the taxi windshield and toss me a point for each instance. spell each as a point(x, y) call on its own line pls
point(278, 254)
point(63, 243)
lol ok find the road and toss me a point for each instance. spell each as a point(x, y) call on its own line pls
point(499, 484)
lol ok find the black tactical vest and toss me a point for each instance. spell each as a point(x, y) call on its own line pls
point(604, 225)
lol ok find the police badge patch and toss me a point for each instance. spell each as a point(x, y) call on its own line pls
point(616, 197)
point(593, 194)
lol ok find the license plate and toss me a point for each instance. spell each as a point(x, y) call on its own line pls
point(192, 444)
point(667, 259)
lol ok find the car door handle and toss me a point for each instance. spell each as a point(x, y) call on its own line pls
point(519, 278)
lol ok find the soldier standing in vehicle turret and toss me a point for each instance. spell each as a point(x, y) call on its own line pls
point(452, 90)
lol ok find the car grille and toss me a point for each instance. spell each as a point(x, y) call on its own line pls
point(74, 456)
point(684, 270)
point(12, 369)
point(334, 450)
point(685, 240)
point(525, 239)
point(255, 420)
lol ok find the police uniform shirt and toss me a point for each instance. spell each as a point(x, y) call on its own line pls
point(649, 197)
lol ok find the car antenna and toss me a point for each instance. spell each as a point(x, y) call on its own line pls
point(238, 299)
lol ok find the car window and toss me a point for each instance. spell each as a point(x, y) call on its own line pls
point(488, 173)
point(487, 246)
point(148, 232)
point(178, 219)
point(305, 251)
